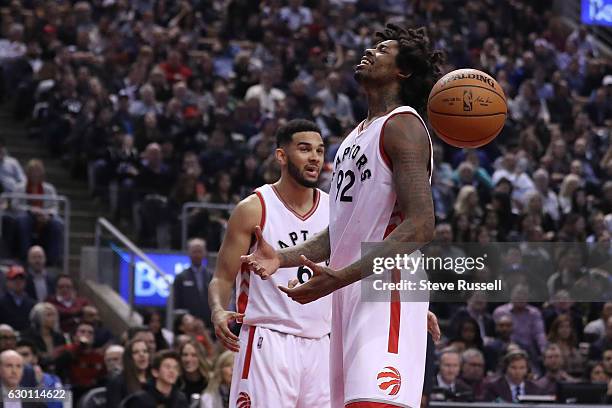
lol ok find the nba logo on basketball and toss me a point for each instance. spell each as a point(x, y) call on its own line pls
point(244, 401)
point(389, 381)
point(467, 101)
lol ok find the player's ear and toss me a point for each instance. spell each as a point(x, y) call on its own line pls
point(281, 156)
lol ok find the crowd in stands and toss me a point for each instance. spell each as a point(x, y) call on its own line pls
point(160, 103)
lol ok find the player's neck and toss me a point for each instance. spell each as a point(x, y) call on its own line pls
point(294, 194)
point(381, 101)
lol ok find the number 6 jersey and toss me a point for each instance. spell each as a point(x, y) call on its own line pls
point(262, 302)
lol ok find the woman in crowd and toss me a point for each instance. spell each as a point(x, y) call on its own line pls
point(562, 332)
point(153, 320)
point(217, 393)
point(195, 368)
point(44, 332)
point(135, 374)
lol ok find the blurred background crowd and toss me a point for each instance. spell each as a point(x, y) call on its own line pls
point(156, 103)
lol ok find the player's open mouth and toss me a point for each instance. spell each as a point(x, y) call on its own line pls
point(364, 61)
point(312, 172)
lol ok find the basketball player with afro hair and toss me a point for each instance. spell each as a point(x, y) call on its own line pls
point(380, 192)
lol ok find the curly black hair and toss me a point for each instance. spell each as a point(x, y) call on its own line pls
point(416, 57)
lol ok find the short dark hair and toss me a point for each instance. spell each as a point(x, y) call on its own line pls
point(134, 330)
point(285, 133)
point(27, 343)
point(160, 356)
point(415, 57)
point(514, 356)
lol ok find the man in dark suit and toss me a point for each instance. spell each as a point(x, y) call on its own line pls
point(191, 286)
point(514, 382)
point(15, 305)
point(39, 282)
point(447, 384)
point(476, 308)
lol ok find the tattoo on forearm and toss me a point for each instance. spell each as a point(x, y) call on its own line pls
point(316, 249)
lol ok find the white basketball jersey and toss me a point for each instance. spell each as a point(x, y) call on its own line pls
point(363, 203)
point(262, 302)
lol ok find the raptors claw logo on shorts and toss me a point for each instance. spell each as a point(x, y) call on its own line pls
point(244, 401)
point(389, 380)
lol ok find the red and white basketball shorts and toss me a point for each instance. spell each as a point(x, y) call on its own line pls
point(279, 370)
point(377, 356)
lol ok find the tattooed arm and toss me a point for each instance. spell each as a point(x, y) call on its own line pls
point(316, 249)
point(266, 260)
point(407, 144)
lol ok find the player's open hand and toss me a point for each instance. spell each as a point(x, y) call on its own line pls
point(432, 327)
point(221, 320)
point(264, 261)
point(323, 282)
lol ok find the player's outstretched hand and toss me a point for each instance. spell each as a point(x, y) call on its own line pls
point(220, 320)
point(323, 282)
point(264, 261)
point(432, 327)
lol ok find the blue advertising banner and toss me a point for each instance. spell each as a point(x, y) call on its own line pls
point(150, 289)
point(597, 12)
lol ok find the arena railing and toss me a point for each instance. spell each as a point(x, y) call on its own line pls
point(60, 199)
point(104, 225)
point(195, 204)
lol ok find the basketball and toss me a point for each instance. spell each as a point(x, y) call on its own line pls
point(467, 108)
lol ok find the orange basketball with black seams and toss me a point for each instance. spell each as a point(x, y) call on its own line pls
point(467, 108)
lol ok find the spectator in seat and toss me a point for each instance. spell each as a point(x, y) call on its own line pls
point(44, 331)
point(39, 282)
point(15, 305)
point(102, 336)
point(597, 348)
point(498, 345)
point(335, 103)
point(564, 336)
point(174, 69)
point(597, 328)
point(473, 371)
point(468, 335)
point(528, 325)
point(37, 217)
point(513, 383)
point(68, 304)
point(11, 374)
point(476, 308)
point(553, 363)
point(195, 369)
point(217, 394)
point(597, 374)
point(113, 359)
point(79, 364)
point(45, 380)
point(152, 318)
point(11, 173)
point(448, 376)
point(265, 93)
point(163, 391)
point(511, 170)
point(8, 338)
point(191, 286)
point(145, 334)
point(153, 185)
point(135, 374)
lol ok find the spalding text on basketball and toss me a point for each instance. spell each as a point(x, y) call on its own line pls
point(483, 78)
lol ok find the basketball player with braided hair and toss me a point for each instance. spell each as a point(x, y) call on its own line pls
point(380, 192)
